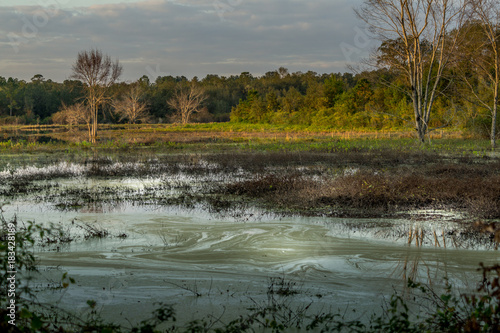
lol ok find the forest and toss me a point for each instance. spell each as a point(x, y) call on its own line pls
point(344, 101)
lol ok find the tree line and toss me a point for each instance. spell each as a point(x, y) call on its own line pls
point(438, 65)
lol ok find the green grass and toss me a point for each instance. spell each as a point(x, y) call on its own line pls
point(228, 136)
point(448, 146)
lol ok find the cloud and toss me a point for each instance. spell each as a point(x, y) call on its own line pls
point(182, 37)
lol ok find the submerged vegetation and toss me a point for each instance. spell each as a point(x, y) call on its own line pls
point(377, 178)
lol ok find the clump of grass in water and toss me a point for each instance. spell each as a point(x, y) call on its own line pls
point(282, 287)
point(92, 231)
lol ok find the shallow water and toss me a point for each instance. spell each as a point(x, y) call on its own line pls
point(221, 264)
point(172, 256)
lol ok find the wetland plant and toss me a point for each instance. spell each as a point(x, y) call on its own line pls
point(282, 287)
point(93, 231)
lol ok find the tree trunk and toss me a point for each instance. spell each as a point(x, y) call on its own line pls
point(494, 122)
point(419, 124)
point(94, 122)
point(422, 130)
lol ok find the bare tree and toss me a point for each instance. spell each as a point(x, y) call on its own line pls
point(98, 73)
point(131, 106)
point(187, 101)
point(75, 114)
point(483, 58)
point(417, 44)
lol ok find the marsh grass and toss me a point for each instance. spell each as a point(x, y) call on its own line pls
point(386, 190)
point(357, 181)
point(283, 286)
point(93, 231)
point(225, 136)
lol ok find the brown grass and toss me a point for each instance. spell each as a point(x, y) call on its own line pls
point(472, 189)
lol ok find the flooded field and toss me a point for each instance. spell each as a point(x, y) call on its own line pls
point(136, 233)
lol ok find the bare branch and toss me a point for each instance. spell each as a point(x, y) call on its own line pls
point(98, 73)
point(131, 106)
point(188, 101)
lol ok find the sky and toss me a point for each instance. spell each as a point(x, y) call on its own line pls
point(181, 37)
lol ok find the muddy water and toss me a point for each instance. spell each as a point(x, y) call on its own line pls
point(211, 266)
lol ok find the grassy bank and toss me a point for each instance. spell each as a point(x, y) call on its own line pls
point(167, 138)
point(152, 133)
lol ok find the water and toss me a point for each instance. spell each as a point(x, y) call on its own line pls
point(218, 264)
point(209, 266)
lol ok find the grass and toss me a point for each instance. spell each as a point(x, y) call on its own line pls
point(341, 178)
point(377, 183)
point(223, 136)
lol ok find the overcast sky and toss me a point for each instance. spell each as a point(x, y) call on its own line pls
point(180, 37)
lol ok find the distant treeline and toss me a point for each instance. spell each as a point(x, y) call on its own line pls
point(372, 99)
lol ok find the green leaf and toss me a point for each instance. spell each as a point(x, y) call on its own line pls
point(91, 303)
point(25, 313)
point(36, 322)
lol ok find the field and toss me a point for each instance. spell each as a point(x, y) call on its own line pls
point(161, 134)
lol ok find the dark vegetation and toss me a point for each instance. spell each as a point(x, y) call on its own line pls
point(368, 193)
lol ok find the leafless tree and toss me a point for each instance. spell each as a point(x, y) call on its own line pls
point(417, 44)
point(98, 73)
point(187, 101)
point(483, 58)
point(131, 106)
point(75, 114)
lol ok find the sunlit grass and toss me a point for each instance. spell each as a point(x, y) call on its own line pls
point(229, 136)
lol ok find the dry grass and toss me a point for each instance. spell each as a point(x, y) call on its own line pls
point(474, 189)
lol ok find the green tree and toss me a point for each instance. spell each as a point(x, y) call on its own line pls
point(13, 90)
point(416, 43)
point(333, 89)
point(480, 67)
point(250, 110)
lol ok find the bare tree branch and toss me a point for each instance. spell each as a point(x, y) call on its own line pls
point(188, 101)
point(131, 106)
point(98, 73)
